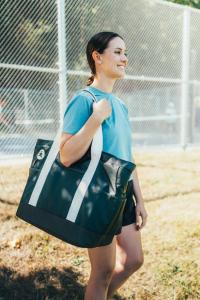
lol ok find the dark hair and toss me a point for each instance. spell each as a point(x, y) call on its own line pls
point(99, 42)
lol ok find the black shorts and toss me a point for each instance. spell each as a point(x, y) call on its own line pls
point(129, 213)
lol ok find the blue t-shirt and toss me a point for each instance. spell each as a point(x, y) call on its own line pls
point(116, 128)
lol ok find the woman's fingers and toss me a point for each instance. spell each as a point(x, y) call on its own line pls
point(140, 213)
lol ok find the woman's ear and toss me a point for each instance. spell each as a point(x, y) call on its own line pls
point(97, 57)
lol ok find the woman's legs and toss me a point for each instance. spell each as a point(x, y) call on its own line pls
point(102, 261)
point(129, 257)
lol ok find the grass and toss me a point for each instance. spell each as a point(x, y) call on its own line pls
point(36, 266)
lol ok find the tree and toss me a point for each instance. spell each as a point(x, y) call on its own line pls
point(192, 3)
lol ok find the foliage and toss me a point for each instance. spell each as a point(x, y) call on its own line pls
point(192, 3)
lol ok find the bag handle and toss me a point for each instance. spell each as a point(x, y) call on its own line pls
point(96, 149)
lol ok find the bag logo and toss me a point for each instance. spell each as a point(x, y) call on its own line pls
point(41, 154)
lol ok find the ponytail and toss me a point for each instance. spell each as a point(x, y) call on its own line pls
point(90, 80)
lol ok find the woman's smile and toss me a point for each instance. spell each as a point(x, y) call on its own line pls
point(122, 67)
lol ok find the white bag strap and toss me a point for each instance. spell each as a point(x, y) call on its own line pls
point(96, 149)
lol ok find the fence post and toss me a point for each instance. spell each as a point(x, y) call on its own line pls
point(26, 100)
point(185, 78)
point(62, 59)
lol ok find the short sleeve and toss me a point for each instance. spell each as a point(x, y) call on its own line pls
point(78, 110)
point(125, 108)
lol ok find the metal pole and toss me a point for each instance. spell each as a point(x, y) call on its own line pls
point(185, 78)
point(25, 95)
point(62, 59)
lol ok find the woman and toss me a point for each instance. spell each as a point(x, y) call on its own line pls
point(111, 265)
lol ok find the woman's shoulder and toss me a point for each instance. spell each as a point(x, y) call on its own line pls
point(81, 95)
point(79, 103)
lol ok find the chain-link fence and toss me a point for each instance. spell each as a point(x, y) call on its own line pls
point(43, 63)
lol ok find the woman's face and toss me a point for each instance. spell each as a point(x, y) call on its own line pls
point(114, 59)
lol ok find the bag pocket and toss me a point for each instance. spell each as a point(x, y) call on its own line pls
point(97, 213)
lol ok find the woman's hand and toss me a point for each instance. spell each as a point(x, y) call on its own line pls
point(102, 110)
point(140, 212)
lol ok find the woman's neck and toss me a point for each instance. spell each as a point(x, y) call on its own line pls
point(104, 85)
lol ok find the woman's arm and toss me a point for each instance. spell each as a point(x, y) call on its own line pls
point(136, 185)
point(73, 147)
point(141, 213)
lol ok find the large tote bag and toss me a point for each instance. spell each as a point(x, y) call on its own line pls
point(81, 204)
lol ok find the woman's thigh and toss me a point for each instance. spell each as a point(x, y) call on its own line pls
point(129, 246)
point(103, 258)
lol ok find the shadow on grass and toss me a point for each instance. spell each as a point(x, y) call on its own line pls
point(45, 284)
point(7, 202)
point(40, 285)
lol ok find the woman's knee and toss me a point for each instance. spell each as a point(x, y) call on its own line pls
point(133, 263)
point(103, 275)
point(103, 261)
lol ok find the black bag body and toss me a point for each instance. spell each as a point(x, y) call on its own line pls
point(81, 204)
